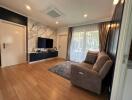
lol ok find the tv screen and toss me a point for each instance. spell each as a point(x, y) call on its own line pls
point(45, 43)
point(49, 43)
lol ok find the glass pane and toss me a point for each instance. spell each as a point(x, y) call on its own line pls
point(92, 41)
point(82, 42)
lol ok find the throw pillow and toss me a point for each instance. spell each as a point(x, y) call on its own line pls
point(91, 57)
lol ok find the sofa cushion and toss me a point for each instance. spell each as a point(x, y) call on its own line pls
point(91, 57)
point(89, 66)
point(102, 58)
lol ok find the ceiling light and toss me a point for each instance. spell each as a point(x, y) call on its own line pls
point(56, 22)
point(122, 1)
point(115, 2)
point(17, 32)
point(85, 15)
point(28, 7)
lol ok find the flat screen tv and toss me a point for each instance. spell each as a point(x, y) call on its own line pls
point(45, 43)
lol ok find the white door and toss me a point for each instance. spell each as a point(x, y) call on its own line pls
point(127, 93)
point(12, 43)
point(62, 46)
point(122, 89)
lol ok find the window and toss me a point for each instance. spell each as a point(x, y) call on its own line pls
point(83, 39)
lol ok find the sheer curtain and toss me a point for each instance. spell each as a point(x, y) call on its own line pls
point(84, 38)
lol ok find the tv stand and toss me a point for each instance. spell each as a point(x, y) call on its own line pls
point(36, 56)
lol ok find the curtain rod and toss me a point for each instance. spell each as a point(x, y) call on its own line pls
point(90, 23)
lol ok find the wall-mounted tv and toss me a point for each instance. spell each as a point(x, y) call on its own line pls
point(45, 42)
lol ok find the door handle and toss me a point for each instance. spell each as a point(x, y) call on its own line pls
point(4, 45)
point(125, 58)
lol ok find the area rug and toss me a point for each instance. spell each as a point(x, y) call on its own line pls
point(62, 69)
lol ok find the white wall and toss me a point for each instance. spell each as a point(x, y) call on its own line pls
point(62, 44)
point(35, 30)
point(62, 31)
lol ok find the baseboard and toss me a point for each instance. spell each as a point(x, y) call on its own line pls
point(25, 62)
point(42, 60)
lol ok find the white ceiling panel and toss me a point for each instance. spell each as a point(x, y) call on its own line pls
point(72, 10)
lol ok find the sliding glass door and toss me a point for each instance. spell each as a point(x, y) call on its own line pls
point(83, 39)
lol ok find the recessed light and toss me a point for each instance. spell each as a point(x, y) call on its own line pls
point(28, 7)
point(115, 2)
point(122, 1)
point(85, 15)
point(56, 22)
point(17, 32)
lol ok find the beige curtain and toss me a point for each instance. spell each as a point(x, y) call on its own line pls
point(103, 32)
point(69, 43)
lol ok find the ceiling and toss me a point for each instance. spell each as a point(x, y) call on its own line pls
point(72, 10)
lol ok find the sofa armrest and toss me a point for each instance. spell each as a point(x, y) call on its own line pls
point(83, 71)
point(105, 69)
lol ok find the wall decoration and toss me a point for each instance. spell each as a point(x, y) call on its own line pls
point(35, 30)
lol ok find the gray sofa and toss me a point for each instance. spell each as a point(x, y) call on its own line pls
point(90, 73)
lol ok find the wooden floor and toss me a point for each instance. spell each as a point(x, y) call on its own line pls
point(35, 82)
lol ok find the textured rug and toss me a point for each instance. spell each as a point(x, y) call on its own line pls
point(62, 69)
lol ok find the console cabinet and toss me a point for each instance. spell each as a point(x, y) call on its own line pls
point(42, 55)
